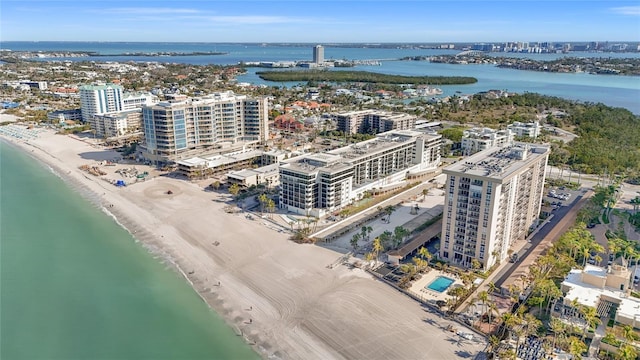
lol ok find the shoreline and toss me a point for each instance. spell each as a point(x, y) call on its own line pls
point(278, 295)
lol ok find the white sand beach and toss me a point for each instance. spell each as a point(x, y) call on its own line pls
point(280, 296)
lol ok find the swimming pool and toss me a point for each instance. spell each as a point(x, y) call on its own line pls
point(440, 284)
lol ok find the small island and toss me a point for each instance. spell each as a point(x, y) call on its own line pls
point(7, 55)
point(592, 65)
point(363, 76)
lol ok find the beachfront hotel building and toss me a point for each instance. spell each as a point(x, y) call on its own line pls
point(319, 183)
point(111, 112)
point(185, 128)
point(478, 139)
point(608, 290)
point(492, 199)
point(373, 121)
point(117, 124)
point(99, 99)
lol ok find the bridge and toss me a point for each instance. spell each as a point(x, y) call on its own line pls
point(471, 53)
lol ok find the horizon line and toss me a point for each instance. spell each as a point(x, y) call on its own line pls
point(310, 42)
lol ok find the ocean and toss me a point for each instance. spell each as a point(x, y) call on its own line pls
point(617, 91)
point(75, 285)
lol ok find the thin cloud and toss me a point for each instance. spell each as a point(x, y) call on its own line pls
point(256, 19)
point(627, 10)
point(146, 11)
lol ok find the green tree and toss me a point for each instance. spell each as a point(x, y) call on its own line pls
point(475, 264)
point(388, 210)
point(627, 352)
point(576, 347)
point(557, 326)
point(424, 253)
point(234, 189)
point(483, 296)
point(377, 247)
point(263, 199)
point(354, 242)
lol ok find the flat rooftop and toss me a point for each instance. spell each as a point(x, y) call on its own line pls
point(589, 295)
point(222, 159)
point(499, 163)
point(344, 157)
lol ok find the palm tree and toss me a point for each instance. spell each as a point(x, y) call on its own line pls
point(425, 192)
point(518, 332)
point(494, 342)
point(377, 247)
point(408, 269)
point(576, 347)
point(421, 264)
point(585, 255)
point(484, 297)
point(354, 242)
point(475, 264)
point(424, 253)
point(399, 234)
point(598, 259)
point(628, 334)
point(366, 229)
point(493, 309)
point(492, 287)
point(557, 326)
point(627, 352)
point(369, 256)
point(388, 211)
point(263, 199)
point(507, 322)
point(590, 315)
point(531, 324)
point(234, 190)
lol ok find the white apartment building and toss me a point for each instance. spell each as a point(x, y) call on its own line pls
point(478, 139)
point(185, 128)
point(531, 129)
point(133, 100)
point(117, 124)
point(318, 183)
point(373, 121)
point(99, 99)
point(492, 199)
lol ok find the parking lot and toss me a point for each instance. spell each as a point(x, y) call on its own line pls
point(561, 196)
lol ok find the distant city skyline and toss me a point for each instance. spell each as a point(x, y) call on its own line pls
point(425, 21)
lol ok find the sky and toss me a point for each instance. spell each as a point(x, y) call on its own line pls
point(316, 21)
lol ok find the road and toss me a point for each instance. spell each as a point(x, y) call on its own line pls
point(562, 220)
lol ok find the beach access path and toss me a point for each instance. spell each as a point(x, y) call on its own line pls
point(280, 296)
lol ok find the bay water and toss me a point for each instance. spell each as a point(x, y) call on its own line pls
point(75, 285)
point(612, 90)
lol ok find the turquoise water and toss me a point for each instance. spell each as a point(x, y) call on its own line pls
point(75, 285)
point(440, 284)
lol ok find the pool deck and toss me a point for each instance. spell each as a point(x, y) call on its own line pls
point(419, 287)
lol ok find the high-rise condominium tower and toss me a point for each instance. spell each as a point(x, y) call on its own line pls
point(492, 199)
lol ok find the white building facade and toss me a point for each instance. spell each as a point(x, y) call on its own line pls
point(519, 129)
point(491, 200)
point(99, 99)
point(180, 128)
point(373, 121)
point(479, 139)
point(319, 183)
